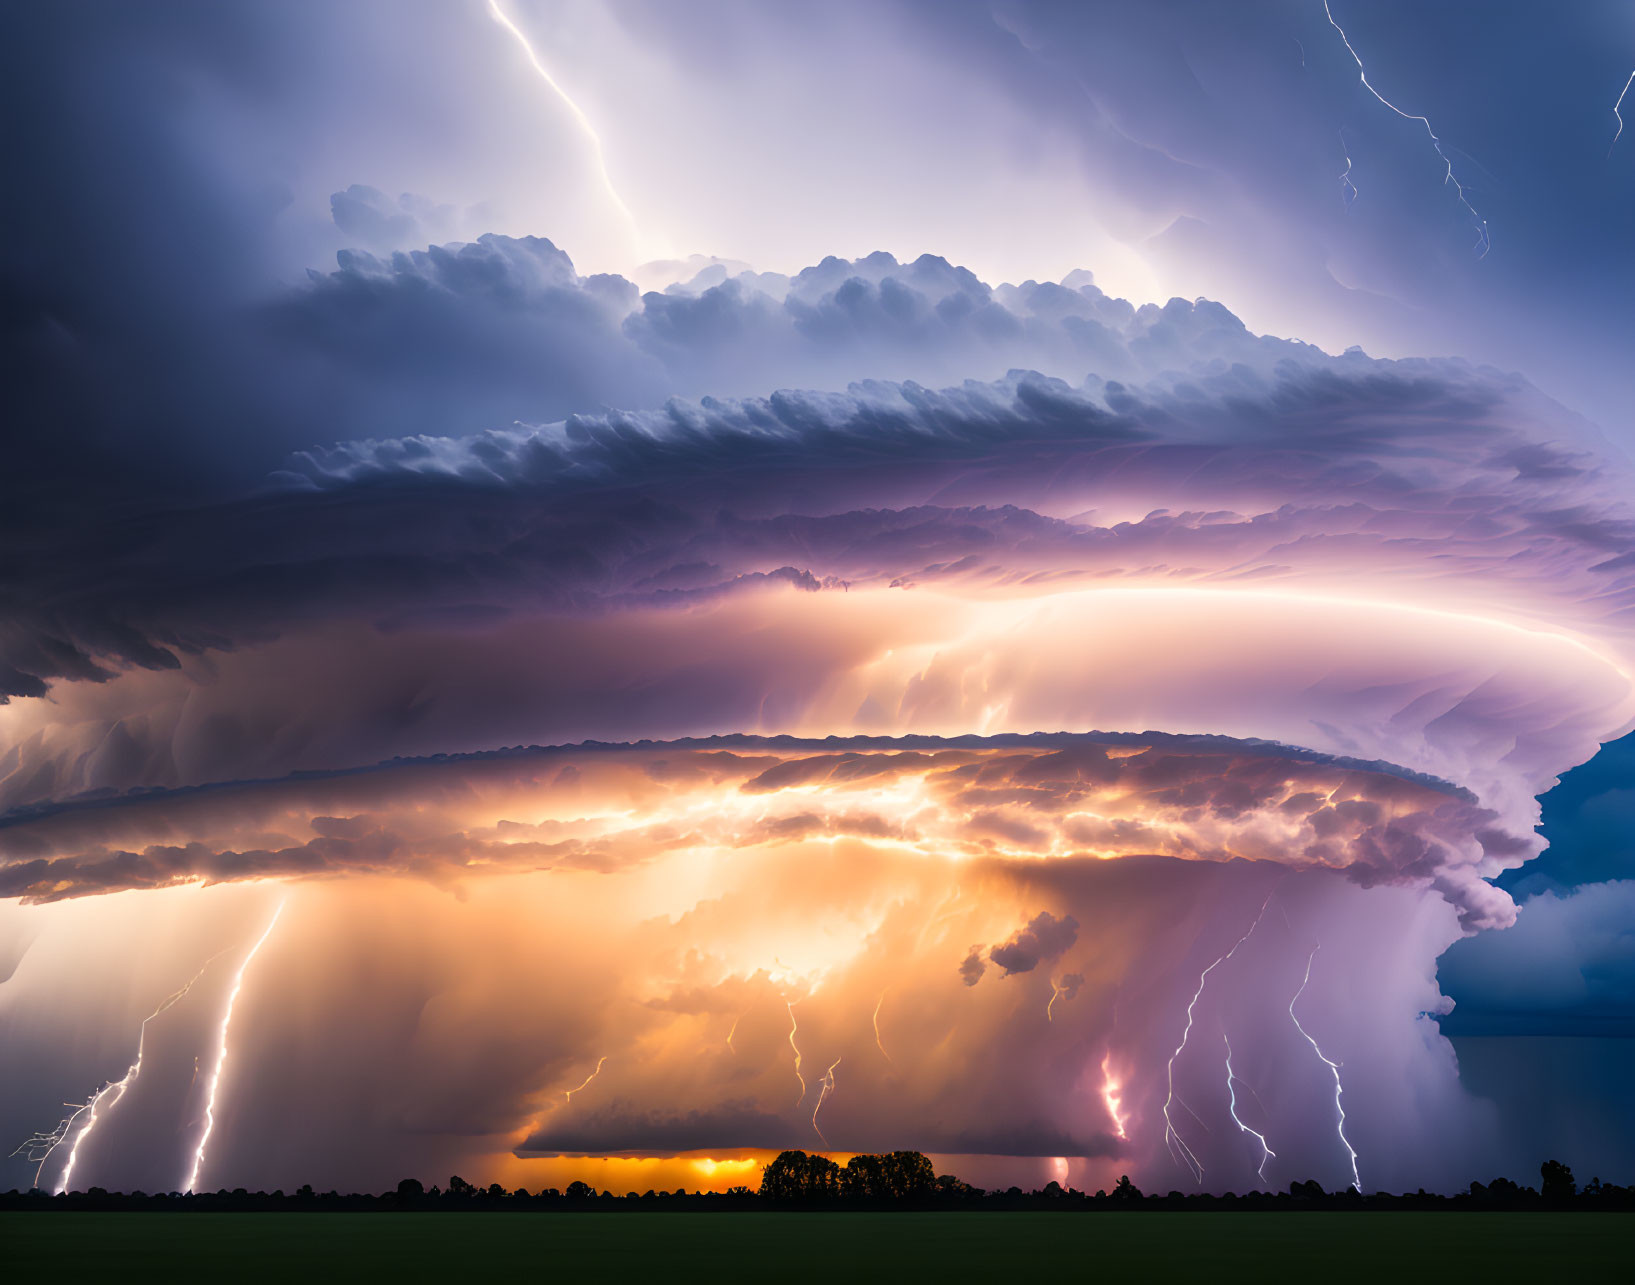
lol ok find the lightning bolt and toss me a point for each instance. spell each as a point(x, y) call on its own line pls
point(1172, 1137)
point(221, 1051)
point(580, 119)
point(1056, 992)
point(877, 1043)
point(826, 1086)
point(119, 1087)
point(793, 1027)
point(1266, 1153)
point(567, 1096)
point(1333, 1067)
point(733, 1031)
point(1483, 241)
point(38, 1147)
point(1619, 114)
point(1348, 189)
point(1112, 1095)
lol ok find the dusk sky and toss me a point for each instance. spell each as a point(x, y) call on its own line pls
point(597, 589)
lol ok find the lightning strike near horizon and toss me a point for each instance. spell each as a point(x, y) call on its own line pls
point(1266, 1153)
point(1618, 113)
point(38, 1147)
point(826, 1086)
point(221, 1051)
point(583, 121)
point(567, 1095)
point(1334, 1068)
point(1172, 1137)
point(120, 1087)
point(1484, 242)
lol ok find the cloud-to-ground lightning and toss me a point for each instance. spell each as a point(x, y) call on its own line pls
point(1334, 1067)
point(1618, 113)
point(826, 1086)
point(221, 1052)
point(119, 1088)
point(42, 1146)
point(1266, 1153)
point(1112, 1095)
point(1172, 1137)
point(567, 1095)
point(583, 121)
point(1484, 242)
point(38, 1148)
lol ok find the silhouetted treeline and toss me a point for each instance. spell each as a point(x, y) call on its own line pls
point(796, 1180)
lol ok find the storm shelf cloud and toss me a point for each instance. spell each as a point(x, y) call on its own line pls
point(593, 716)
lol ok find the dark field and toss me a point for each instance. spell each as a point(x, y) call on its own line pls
point(833, 1248)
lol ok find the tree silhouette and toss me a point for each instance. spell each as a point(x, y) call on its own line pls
point(1556, 1181)
point(794, 1175)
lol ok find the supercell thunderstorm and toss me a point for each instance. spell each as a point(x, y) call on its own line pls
point(1119, 752)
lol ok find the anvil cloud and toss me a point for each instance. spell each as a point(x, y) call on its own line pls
point(686, 712)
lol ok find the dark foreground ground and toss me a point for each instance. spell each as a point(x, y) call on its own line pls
point(831, 1247)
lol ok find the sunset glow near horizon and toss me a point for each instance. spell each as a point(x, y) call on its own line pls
point(469, 713)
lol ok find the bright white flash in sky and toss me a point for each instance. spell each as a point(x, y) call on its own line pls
point(579, 117)
point(221, 1052)
point(1483, 242)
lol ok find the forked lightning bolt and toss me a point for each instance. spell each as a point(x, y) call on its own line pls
point(1333, 1067)
point(1172, 1137)
point(41, 1146)
point(119, 1088)
point(1483, 241)
point(1266, 1153)
point(221, 1052)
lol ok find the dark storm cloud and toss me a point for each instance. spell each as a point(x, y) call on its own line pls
point(1044, 938)
point(884, 483)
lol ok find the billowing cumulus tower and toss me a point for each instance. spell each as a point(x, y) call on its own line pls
point(1066, 774)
